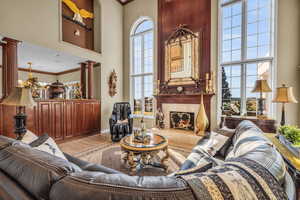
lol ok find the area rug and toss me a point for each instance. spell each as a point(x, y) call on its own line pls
point(100, 150)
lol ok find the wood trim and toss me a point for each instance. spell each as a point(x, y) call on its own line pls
point(36, 71)
point(90, 65)
point(124, 3)
point(83, 79)
point(53, 73)
point(68, 71)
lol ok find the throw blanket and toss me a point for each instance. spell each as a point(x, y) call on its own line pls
point(237, 179)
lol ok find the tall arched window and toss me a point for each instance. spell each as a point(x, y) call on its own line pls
point(142, 67)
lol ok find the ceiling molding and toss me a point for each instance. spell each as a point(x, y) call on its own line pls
point(68, 71)
point(37, 71)
point(124, 2)
point(53, 73)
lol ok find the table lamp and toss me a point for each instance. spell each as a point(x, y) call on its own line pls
point(284, 95)
point(261, 86)
point(20, 97)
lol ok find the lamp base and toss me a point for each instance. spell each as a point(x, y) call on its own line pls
point(20, 125)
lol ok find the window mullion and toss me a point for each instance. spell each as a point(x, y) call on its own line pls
point(132, 72)
point(244, 58)
point(244, 31)
point(143, 70)
point(243, 89)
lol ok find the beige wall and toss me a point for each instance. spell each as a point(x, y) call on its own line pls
point(112, 54)
point(38, 22)
point(74, 76)
point(288, 54)
point(214, 60)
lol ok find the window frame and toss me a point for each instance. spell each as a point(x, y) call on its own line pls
point(132, 64)
point(244, 61)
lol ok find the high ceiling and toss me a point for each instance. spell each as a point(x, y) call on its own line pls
point(44, 59)
point(123, 2)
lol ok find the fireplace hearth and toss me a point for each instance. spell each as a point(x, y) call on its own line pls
point(182, 120)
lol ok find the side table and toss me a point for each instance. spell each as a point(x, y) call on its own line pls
point(292, 161)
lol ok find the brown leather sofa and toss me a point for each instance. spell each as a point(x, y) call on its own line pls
point(27, 174)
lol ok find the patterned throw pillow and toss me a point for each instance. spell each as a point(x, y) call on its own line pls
point(40, 140)
point(29, 137)
point(201, 158)
point(51, 147)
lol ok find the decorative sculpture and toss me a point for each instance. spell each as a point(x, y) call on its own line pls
point(79, 14)
point(202, 122)
point(160, 119)
point(113, 83)
point(77, 91)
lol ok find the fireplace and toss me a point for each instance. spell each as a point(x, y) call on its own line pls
point(182, 120)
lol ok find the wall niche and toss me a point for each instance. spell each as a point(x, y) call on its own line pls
point(81, 23)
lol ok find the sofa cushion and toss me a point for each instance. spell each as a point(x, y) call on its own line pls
point(100, 186)
point(34, 170)
point(250, 143)
point(10, 190)
point(5, 142)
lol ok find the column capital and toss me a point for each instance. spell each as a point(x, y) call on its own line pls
point(10, 40)
point(90, 62)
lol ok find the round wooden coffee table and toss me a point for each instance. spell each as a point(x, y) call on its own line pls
point(138, 155)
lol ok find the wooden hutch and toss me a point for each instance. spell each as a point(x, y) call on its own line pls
point(59, 118)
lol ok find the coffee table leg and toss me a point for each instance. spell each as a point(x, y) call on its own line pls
point(131, 162)
point(125, 155)
point(165, 158)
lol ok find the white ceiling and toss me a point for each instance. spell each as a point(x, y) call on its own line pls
point(45, 59)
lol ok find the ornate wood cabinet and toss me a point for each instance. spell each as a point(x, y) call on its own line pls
point(60, 119)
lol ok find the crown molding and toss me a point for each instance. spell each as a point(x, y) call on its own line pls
point(53, 73)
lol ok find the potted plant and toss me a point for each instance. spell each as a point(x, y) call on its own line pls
point(290, 137)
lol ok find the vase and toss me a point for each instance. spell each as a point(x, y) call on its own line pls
point(202, 122)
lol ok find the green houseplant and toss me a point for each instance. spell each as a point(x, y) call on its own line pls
point(290, 137)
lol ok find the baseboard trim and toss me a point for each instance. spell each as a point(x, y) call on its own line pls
point(105, 131)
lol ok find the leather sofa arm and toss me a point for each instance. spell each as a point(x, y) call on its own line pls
point(86, 166)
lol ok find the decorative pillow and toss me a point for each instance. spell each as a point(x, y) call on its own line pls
point(215, 143)
point(122, 121)
point(29, 137)
point(224, 150)
point(202, 155)
point(39, 141)
point(51, 147)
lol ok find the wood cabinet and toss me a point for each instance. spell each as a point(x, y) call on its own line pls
point(60, 119)
point(266, 125)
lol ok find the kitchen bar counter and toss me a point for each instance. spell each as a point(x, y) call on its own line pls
point(59, 118)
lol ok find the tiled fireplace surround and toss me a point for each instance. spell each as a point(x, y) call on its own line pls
point(168, 107)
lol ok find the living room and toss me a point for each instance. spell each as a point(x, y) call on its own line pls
point(149, 99)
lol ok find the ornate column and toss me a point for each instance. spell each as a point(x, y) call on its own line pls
point(4, 69)
point(90, 65)
point(10, 65)
point(83, 79)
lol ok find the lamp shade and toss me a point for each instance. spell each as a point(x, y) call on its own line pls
point(19, 97)
point(261, 86)
point(284, 95)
